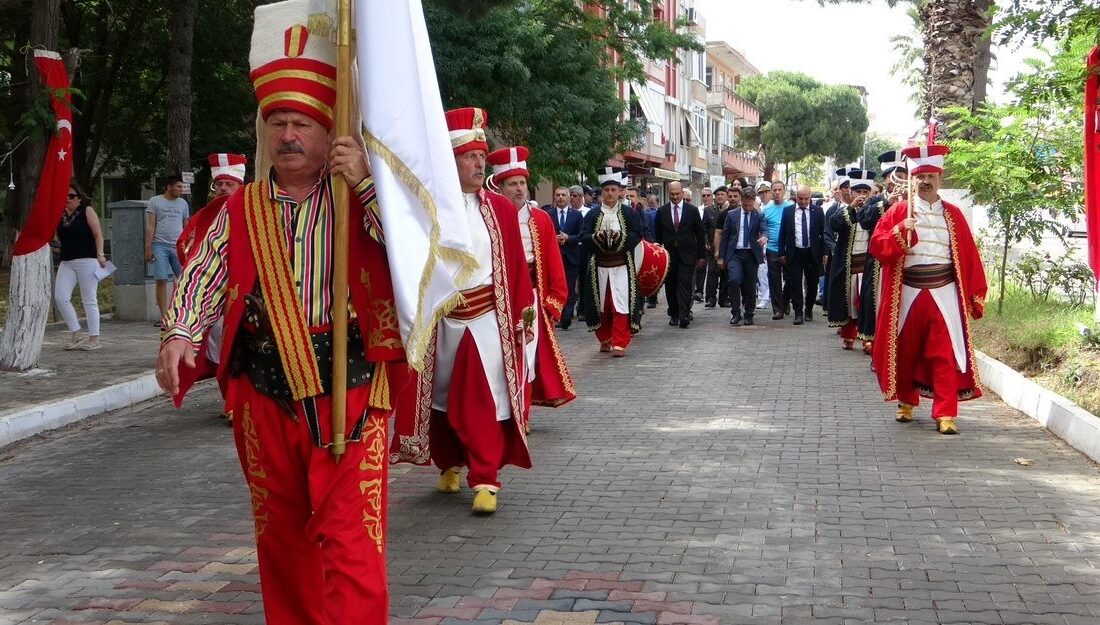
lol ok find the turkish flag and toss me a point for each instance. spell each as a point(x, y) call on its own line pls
point(1092, 161)
point(57, 170)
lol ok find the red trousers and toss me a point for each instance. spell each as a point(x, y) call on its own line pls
point(849, 331)
point(925, 359)
point(614, 327)
point(468, 434)
point(320, 526)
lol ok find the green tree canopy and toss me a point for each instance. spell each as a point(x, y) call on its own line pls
point(542, 71)
point(1023, 159)
point(800, 117)
point(1048, 19)
point(874, 145)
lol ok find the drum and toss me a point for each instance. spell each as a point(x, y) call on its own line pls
point(652, 262)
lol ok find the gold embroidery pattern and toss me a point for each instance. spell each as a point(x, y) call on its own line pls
point(877, 286)
point(847, 270)
point(891, 390)
point(255, 471)
point(548, 326)
point(964, 309)
point(504, 315)
point(634, 305)
point(288, 322)
point(555, 304)
point(373, 465)
point(386, 333)
point(902, 240)
point(414, 448)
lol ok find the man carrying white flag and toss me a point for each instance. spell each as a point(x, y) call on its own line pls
point(299, 266)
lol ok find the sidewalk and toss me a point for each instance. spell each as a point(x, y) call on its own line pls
point(71, 385)
point(714, 476)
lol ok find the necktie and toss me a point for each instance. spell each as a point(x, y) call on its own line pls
point(805, 229)
point(676, 217)
point(561, 223)
point(744, 229)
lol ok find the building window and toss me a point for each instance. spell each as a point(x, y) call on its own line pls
point(709, 78)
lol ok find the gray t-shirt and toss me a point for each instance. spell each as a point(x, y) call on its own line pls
point(170, 215)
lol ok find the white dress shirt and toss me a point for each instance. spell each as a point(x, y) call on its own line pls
point(798, 226)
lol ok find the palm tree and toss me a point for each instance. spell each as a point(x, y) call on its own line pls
point(957, 53)
point(956, 45)
point(909, 67)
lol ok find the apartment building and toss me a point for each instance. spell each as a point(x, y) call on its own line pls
point(690, 113)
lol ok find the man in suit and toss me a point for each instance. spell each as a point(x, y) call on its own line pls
point(714, 217)
point(740, 253)
point(567, 223)
point(679, 228)
point(633, 199)
point(802, 252)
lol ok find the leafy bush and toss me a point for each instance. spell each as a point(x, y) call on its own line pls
point(1067, 278)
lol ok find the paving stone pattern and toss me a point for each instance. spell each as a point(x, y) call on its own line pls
point(714, 476)
point(128, 350)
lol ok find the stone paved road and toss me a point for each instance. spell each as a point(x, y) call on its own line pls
point(716, 475)
point(125, 353)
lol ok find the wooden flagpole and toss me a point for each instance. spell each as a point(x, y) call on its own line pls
point(342, 128)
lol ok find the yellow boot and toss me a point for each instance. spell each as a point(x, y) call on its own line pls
point(450, 481)
point(485, 501)
point(904, 413)
point(947, 425)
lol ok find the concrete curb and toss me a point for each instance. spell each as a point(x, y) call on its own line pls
point(22, 423)
point(1065, 419)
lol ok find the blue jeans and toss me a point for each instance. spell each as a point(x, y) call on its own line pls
point(166, 265)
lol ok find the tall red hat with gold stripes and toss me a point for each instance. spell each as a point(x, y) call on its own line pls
point(467, 126)
point(293, 59)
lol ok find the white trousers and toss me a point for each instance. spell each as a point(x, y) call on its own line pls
point(69, 274)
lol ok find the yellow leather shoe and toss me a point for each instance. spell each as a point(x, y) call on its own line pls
point(904, 413)
point(485, 501)
point(947, 425)
point(450, 481)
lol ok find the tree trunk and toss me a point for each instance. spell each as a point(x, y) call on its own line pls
point(981, 71)
point(1004, 264)
point(179, 86)
point(28, 307)
point(29, 290)
point(955, 36)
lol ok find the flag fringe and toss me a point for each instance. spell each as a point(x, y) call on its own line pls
point(419, 338)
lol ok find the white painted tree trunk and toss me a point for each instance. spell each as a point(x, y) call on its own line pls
point(28, 307)
point(1096, 305)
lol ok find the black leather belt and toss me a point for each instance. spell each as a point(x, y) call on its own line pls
point(257, 356)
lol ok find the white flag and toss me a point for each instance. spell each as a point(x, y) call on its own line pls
point(423, 215)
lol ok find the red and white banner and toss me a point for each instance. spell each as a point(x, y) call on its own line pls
point(57, 170)
point(1092, 161)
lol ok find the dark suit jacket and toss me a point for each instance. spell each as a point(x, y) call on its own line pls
point(830, 236)
point(817, 228)
point(686, 244)
point(571, 251)
point(731, 234)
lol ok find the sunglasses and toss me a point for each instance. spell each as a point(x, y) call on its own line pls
point(73, 196)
